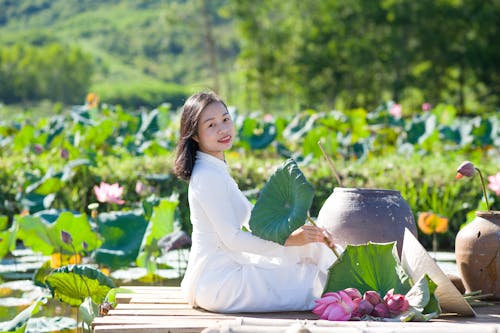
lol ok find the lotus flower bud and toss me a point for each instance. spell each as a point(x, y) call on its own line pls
point(466, 169)
point(64, 153)
point(363, 308)
point(396, 303)
point(381, 310)
point(353, 292)
point(373, 297)
point(66, 237)
point(38, 148)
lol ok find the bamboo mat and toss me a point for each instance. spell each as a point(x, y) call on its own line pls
point(163, 309)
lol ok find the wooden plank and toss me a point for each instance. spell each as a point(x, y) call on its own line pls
point(155, 301)
point(141, 298)
point(157, 312)
point(144, 306)
point(171, 327)
point(141, 320)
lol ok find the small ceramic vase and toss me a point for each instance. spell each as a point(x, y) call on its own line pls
point(477, 251)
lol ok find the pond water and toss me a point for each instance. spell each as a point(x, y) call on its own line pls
point(17, 290)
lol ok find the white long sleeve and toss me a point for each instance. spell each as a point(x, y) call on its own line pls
point(224, 213)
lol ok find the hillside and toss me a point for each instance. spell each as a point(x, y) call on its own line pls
point(133, 43)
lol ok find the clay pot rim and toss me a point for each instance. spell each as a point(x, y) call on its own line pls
point(366, 191)
point(487, 213)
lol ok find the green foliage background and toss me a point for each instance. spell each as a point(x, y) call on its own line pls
point(279, 56)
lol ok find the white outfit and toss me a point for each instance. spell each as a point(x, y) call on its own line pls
point(231, 270)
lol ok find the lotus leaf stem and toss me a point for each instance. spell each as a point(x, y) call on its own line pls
point(333, 247)
point(484, 188)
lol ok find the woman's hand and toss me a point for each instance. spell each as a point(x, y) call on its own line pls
point(309, 234)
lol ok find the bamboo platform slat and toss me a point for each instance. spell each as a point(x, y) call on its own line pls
point(163, 309)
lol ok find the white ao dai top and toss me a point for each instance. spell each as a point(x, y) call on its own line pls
point(231, 270)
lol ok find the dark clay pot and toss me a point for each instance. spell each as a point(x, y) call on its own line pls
point(477, 250)
point(358, 216)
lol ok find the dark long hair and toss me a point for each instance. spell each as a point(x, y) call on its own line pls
point(187, 146)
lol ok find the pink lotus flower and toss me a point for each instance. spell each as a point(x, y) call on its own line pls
point(396, 303)
point(334, 306)
point(268, 118)
point(396, 111)
point(494, 183)
point(426, 107)
point(109, 193)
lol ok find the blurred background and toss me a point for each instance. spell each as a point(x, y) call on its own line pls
point(270, 55)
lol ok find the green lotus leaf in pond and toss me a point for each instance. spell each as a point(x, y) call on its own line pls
point(8, 239)
point(160, 225)
point(19, 322)
point(256, 134)
point(45, 237)
point(122, 233)
point(283, 204)
point(372, 266)
point(73, 283)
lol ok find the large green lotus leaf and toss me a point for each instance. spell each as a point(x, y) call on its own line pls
point(24, 137)
point(148, 125)
point(18, 323)
point(122, 233)
point(256, 134)
point(160, 225)
point(8, 239)
point(372, 266)
point(4, 222)
point(35, 202)
point(283, 204)
point(46, 237)
point(73, 283)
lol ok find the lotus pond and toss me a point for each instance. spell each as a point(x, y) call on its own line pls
point(19, 289)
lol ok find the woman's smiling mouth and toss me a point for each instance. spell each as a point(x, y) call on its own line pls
point(225, 139)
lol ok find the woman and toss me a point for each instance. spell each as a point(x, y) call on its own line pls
point(230, 270)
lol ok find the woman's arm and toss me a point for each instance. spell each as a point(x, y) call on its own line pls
point(216, 204)
point(215, 195)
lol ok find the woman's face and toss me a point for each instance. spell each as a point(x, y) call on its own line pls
point(215, 130)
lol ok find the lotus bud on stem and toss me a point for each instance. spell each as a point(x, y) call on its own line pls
point(483, 187)
point(467, 169)
point(332, 247)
